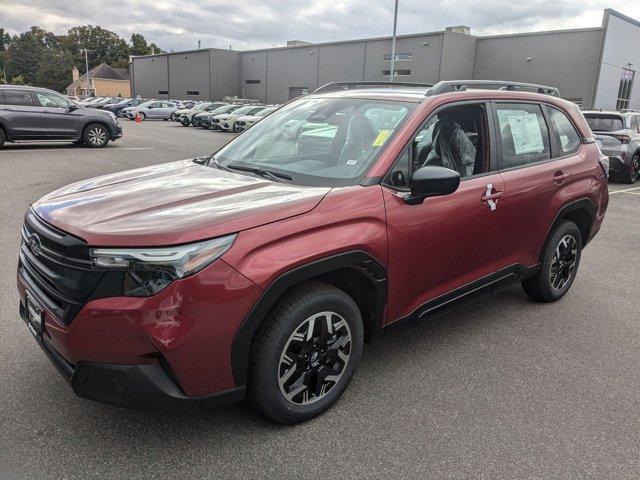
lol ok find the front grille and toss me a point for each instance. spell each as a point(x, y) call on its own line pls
point(57, 268)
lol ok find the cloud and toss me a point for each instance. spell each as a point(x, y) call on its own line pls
point(179, 24)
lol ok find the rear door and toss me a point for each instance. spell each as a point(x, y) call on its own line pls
point(58, 121)
point(536, 180)
point(22, 115)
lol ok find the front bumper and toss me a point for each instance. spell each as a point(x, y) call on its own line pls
point(115, 131)
point(144, 387)
point(158, 352)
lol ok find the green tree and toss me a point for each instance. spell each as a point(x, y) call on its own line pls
point(25, 52)
point(5, 40)
point(18, 80)
point(54, 71)
point(107, 47)
point(139, 46)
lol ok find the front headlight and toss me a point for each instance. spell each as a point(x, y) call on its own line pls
point(149, 270)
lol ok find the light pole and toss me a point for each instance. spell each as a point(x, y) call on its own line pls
point(393, 43)
point(86, 65)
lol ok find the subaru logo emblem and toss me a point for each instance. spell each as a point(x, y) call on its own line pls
point(34, 245)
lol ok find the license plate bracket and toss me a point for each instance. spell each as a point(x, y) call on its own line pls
point(35, 314)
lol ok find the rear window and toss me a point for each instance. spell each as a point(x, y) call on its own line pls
point(604, 123)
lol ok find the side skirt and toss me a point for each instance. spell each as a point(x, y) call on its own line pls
point(468, 293)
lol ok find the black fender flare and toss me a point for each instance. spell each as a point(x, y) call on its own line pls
point(580, 204)
point(358, 260)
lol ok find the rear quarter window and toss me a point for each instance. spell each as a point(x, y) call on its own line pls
point(567, 137)
point(16, 97)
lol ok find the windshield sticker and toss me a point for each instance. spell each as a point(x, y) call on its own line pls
point(525, 130)
point(351, 162)
point(381, 138)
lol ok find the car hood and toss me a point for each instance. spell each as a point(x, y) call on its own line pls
point(172, 203)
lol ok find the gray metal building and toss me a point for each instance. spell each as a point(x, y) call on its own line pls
point(594, 67)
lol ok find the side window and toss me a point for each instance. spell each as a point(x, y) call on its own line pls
point(18, 97)
point(569, 140)
point(455, 138)
point(523, 133)
point(635, 124)
point(51, 101)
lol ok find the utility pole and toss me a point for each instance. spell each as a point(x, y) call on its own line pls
point(86, 64)
point(393, 43)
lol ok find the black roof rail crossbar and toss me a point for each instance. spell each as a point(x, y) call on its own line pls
point(448, 86)
point(337, 86)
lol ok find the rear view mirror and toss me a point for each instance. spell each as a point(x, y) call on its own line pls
point(432, 181)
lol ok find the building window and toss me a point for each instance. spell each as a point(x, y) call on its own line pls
point(399, 56)
point(397, 73)
point(624, 90)
point(163, 92)
point(298, 92)
point(252, 82)
point(193, 92)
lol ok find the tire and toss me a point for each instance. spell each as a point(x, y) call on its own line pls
point(269, 378)
point(634, 170)
point(143, 116)
point(95, 135)
point(185, 122)
point(165, 119)
point(3, 138)
point(561, 253)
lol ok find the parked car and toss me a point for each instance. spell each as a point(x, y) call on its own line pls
point(261, 271)
point(153, 110)
point(30, 113)
point(618, 135)
point(213, 121)
point(91, 100)
point(118, 107)
point(226, 121)
point(106, 101)
point(187, 115)
point(205, 120)
point(195, 119)
point(247, 121)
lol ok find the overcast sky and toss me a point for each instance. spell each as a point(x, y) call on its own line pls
point(243, 24)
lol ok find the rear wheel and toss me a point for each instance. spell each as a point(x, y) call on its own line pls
point(305, 353)
point(95, 135)
point(634, 170)
point(3, 138)
point(558, 266)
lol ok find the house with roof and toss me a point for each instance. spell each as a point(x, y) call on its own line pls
point(103, 81)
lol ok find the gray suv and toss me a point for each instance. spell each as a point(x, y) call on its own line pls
point(30, 113)
point(618, 135)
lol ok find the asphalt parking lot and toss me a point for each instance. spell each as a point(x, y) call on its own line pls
point(506, 388)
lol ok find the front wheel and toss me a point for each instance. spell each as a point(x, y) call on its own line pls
point(2, 138)
point(95, 136)
point(559, 264)
point(305, 353)
point(185, 122)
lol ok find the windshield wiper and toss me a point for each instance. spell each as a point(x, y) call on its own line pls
point(274, 176)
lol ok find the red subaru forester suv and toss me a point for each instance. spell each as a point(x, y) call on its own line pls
point(260, 270)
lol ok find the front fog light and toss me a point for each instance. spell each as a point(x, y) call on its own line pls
point(149, 270)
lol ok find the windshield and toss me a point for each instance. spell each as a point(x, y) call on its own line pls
point(244, 110)
point(318, 141)
point(604, 123)
point(201, 106)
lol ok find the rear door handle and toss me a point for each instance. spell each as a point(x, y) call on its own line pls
point(560, 177)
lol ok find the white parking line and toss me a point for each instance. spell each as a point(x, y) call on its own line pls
point(77, 149)
point(612, 192)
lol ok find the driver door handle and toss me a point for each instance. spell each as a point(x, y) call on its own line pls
point(491, 197)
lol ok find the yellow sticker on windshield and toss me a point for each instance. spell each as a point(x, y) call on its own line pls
point(381, 138)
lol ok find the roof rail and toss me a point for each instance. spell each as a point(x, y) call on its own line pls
point(457, 85)
point(337, 86)
point(629, 110)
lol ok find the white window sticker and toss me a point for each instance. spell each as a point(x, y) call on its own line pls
point(525, 130)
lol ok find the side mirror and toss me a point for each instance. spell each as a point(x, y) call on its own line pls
point(431, 181)
point(72, 107)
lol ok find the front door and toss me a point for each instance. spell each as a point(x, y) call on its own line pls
point(445, 249)
point(58, 120)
